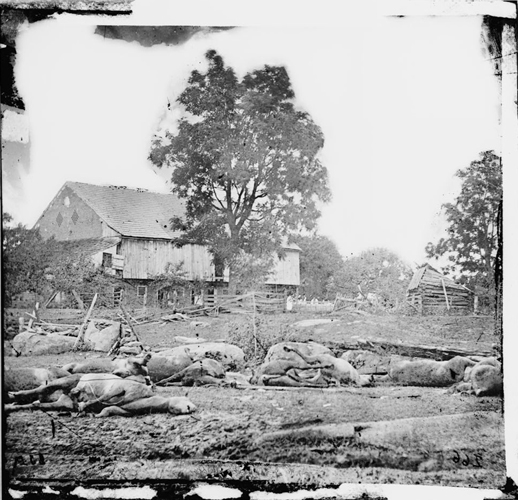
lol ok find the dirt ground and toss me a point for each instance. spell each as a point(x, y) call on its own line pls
point(382, 434)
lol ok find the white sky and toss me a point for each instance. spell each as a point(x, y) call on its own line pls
point(403, 103)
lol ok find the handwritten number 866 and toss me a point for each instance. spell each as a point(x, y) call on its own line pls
point(466, 461)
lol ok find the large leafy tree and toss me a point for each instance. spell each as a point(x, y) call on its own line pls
point(245, 159)
point(472, 242)
point(320, 260)
point(378, 271)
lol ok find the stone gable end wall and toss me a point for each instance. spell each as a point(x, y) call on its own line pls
point(68, 217)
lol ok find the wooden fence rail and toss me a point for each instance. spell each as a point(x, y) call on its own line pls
point(260, 301)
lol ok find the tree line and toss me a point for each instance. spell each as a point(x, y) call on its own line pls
point(472, 251)
point(245, 158)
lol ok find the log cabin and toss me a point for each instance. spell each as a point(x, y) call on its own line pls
point(134, 238)
point(430, 291)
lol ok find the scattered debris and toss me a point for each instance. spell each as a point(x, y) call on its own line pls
point(175, 317)
point(128, 342)
point(99, 334)
point(82, 330)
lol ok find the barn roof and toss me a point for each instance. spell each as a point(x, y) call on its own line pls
point(136, 212)
point(291, 246)
point(131, 212)
point(432, 276)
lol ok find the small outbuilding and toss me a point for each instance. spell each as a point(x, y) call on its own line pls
point(430, 291)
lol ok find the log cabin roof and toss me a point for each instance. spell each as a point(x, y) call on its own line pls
point(434, 278)
point(132, 212)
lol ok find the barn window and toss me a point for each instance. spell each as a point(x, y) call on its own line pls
point(107, 259)
point(75, 217)
point(141, 291)
point(219, 266)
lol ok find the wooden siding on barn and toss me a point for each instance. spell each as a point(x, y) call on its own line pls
point(287, 270)
point(144, 259)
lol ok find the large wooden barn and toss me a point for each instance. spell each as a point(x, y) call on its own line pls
point(135, 241)
point(430, 291)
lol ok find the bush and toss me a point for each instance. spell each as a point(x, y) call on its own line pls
point(266, 335)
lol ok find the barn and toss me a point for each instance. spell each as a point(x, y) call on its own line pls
point(430, 291)
point(133, 236)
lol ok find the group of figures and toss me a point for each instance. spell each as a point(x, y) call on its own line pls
point(129, 386)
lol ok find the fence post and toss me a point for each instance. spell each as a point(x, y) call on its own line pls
point(445, 294)
point(128, 320)
point(35, 314)
point(78, 300)
point(254, 326)
point(82, 330)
